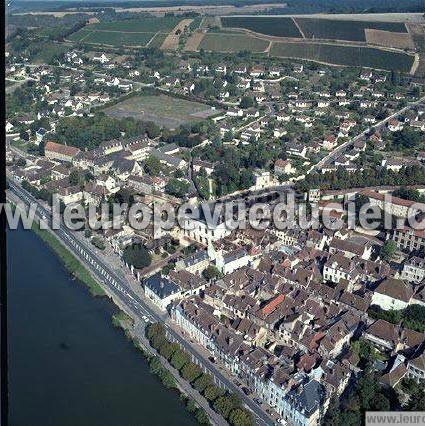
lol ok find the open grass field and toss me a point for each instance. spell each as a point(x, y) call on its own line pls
point(148, 24)
point(112, 38)
point(157, 40)
point(344, 30)
point(344, 55)
point(232, 43)
point(274, 26)
point(149, 31)
point(164, 110)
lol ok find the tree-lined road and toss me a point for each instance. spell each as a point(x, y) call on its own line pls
point(120, 288)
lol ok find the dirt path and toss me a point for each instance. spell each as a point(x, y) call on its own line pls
point(172, 40)
point(415, 65)
point(299, 27)
point(150, 41)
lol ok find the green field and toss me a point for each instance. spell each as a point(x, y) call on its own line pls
point(132, 32)
point(344, 30)
point(232, 43)
point(274, 26)
point(164, 110)
point(112, 38)
point(344, 55)
point(157, 40)
point(148, 24)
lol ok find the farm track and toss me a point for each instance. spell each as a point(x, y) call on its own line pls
point(299, 27)
point(150, 41)
point(87, 35)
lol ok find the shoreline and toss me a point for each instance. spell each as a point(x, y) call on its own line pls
point(71, 263)
point(120, 319)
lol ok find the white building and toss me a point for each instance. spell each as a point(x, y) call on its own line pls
point(162, 291)
point(392, 294)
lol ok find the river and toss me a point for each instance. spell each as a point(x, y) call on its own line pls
point(67, 364)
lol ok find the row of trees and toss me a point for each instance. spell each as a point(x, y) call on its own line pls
point(368, 395)
point(40, 194)
point(224, 403)
point(89, 132)
point(341, 179)
point(412, 317)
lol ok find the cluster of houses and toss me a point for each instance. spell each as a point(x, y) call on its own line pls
point(114, 164)
point(285, 307)
point(270, 118)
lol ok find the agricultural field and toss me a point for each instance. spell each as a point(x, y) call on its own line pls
point(164, 110)
point(389, 39)
point(344, 55)
point(157, 40)
point(171, 42)
point(112, 38)
point(194, 41)
point(344, 30)
point(232, 42)
point(133, 32)
point(148, 25)
point(273, 26)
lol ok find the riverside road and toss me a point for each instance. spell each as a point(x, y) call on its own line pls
point(120, 288)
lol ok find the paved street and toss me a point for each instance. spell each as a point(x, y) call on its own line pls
point(121, 287)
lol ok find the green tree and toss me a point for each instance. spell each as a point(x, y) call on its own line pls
point(222, 405)
point(167, 349)
point(154, 329)
point(333, 413)
point(191, 406)
point(158, 341)
point(202, 382)
point(368, 388)
point(241, 417)
point(388, 250)
point(212, 392)
point(179, 359)
point(247, 102)
point(177, 187)
point(137, 255)
point(202, 417)
point(74, 178)
point(211, 272)
point(190, 372)
point(152, 166)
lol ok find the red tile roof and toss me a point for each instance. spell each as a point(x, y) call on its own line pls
point(61, 149)
point(271, 306)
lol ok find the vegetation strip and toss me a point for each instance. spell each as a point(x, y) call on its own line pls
point(226, 404)
point(125, 322)
point(69, 260)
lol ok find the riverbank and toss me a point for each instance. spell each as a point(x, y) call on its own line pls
point(126, 322)
point(168, 376)
point(67, 365)
point(74, 266)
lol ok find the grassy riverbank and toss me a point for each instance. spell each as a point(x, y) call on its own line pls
point(70, 261)
point(126, 323)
